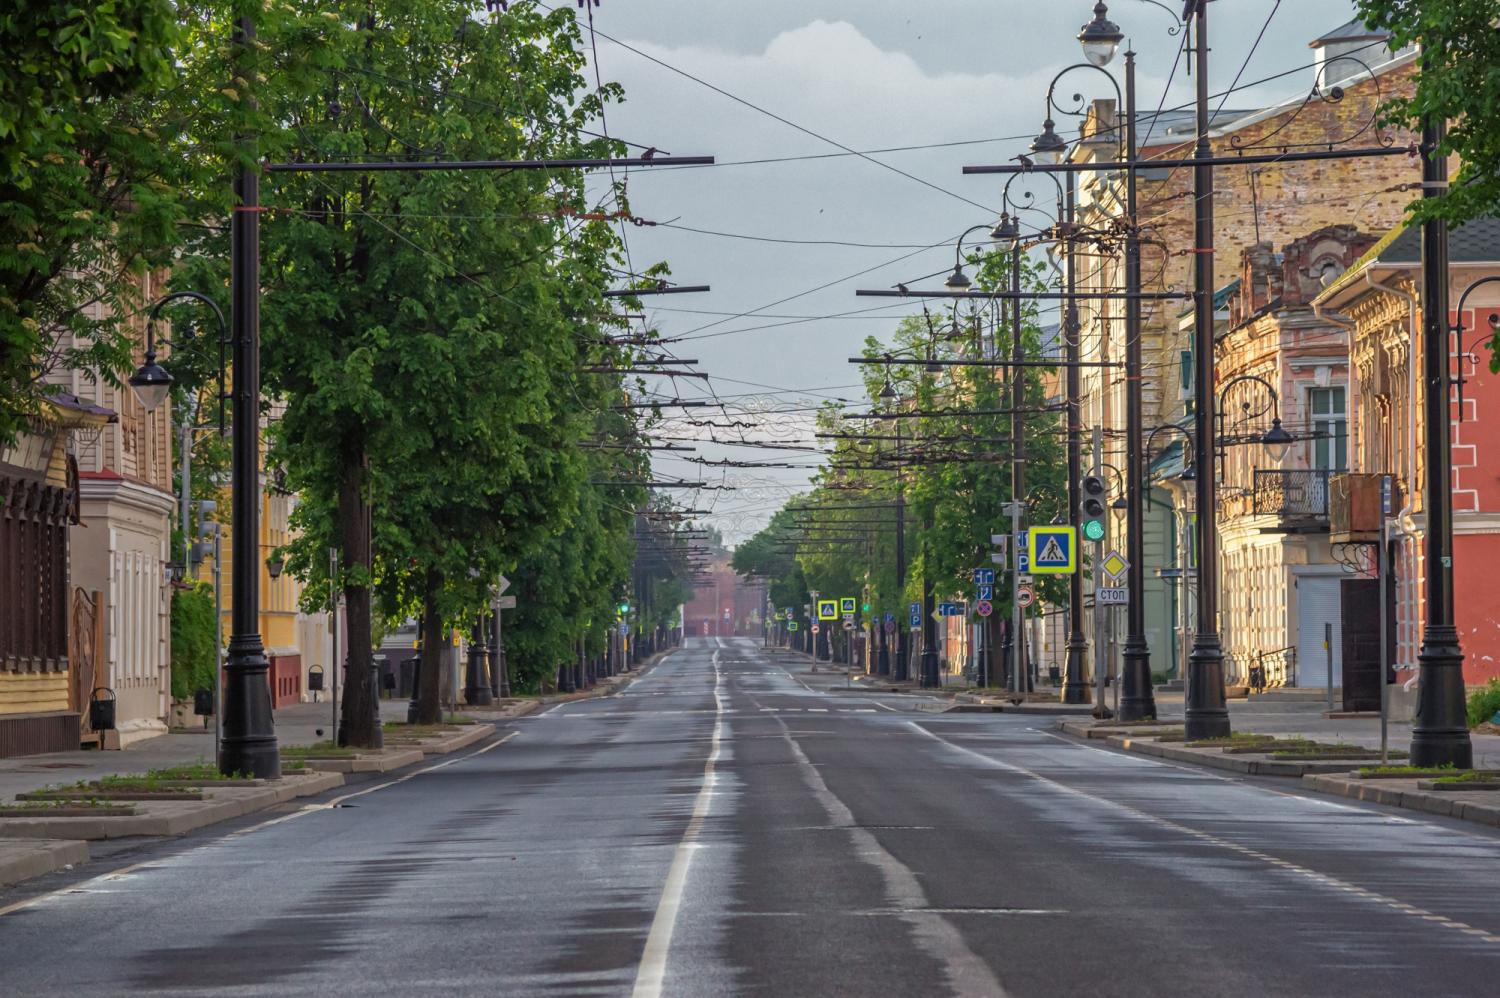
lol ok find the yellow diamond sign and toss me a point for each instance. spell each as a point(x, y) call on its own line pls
point(1114, 566)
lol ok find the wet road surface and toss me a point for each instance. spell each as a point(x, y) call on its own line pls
point(730, 825)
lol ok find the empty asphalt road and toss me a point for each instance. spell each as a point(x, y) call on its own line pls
point(729, 825)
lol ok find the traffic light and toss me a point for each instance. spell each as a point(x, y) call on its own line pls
point(1091, 507)
point(203, 543)
point(624, 607)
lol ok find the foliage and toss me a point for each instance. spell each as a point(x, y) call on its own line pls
point(1457, 83)
point(93, 167)
point(425, 331)
point(952, 471)
point(1484, 703)
point(64, 53)
point(194, 648)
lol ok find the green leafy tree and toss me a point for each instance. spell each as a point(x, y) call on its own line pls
point(194, 648)
point(1458, 84)
point(93, 171)
point(424, 330)
point(953, 469)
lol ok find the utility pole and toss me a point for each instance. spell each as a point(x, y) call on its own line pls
point(1074, 689)
point(929, 676)
point(901, 672)
point(1137, 699)
point(1440, 732)
point(249, 740)
point(1014, 508)
point(1018, 456)
point(1101, 613)
point(1206, 714)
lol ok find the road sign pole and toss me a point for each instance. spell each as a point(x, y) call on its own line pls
point(1101, 651)
point(1015, 603)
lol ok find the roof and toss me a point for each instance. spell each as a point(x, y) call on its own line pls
point(1221, 298)
point(1350, 31)
point(72, 411)
point(1476, 241)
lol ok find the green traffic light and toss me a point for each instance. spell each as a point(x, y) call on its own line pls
point(866, 608)
point(1093, 530)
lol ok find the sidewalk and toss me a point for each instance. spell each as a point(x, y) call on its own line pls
point(299, 724)
point(1363, 731)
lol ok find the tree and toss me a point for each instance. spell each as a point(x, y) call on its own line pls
point(425, 329)
point(953, 469)
point(94, 167)
point(1457, 84)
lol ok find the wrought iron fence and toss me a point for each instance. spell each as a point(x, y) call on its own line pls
point(1300, 493)
point(1273, 669)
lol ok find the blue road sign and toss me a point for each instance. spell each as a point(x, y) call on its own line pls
point(916, 615)
point(1021, 553)
point(890, 617)
point(1053, 550)
point(984, 576)
point(987, 592)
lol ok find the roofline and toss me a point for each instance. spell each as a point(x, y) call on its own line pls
point(1255, 117)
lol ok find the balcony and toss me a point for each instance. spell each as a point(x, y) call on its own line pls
point(1299, 498)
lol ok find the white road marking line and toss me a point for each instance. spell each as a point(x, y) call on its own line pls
point(652, 972)
point(1202, 836)
point(966, 971)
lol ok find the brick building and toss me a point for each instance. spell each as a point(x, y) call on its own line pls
point(1378, 298)
point(1281, 580)
point(1266, 204)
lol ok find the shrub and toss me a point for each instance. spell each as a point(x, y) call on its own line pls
point(1484, 703)
point(193, 648)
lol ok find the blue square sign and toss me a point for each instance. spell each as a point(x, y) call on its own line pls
point(987, 592)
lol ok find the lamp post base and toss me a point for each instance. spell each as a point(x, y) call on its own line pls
point(1137, 700)
point(248, 744)
point(931, 679)
point(1074, 689)
point(1206, 715)
point(1440, 731)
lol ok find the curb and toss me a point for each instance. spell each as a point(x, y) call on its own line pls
point(1212, 758)
point(170, 818)
point(968, 703)
point(22, 859)
point(382, 761)
point(1478, 806)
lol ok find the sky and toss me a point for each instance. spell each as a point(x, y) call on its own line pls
point(784, 245)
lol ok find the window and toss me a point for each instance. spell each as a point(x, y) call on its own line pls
point(1330, 430)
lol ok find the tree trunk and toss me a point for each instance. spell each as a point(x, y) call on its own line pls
point(434, 644)
point(358, 727)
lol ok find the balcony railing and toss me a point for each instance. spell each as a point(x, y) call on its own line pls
point(1301, 494)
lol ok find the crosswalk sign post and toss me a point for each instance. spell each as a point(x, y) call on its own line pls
point(1052, 550)
point(828, 609)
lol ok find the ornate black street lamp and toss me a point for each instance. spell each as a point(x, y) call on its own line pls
point(1100, 39)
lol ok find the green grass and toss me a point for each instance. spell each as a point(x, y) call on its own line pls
point(1472, 776)
point(1238, 738)
point(190, 771)
point(318, 750)
point(90, 803)
point(1484, 703)
point(1405, 770)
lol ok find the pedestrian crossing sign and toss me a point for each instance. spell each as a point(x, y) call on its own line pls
point(1052, 550)
point(846, 604)
point(828, 609)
